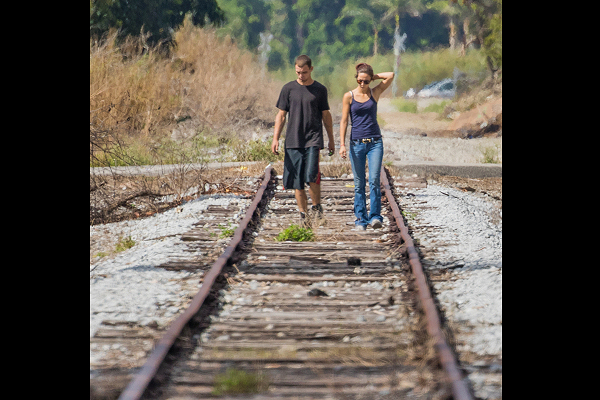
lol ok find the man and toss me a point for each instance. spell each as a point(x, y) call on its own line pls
point(306, 101)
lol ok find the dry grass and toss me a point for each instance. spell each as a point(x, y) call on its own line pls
point(208, 83)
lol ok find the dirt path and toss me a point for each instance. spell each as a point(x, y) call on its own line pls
point(428, 137)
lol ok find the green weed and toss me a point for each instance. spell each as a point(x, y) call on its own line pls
point(296, 234)
point(490, 154)
point(124, 244)
point(226, 231)
point(408, 215)
point(234, 381)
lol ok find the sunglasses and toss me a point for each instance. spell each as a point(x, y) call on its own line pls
point(363, 81)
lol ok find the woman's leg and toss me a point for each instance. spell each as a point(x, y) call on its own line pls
point(358, 154)
point(375, 156)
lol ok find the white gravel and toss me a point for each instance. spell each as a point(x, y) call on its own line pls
point(128, 286)
point(461, 233)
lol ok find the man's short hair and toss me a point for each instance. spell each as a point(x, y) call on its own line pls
point(303, 60)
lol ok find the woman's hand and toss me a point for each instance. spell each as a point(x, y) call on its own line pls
point(343, 152)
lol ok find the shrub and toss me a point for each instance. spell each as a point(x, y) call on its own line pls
point(255, 150)
point(296, 234)
point(490, 154)
point(202, 81)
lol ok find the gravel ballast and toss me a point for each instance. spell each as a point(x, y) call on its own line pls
point(127, 286)
point(458, 233)
point(460, 238)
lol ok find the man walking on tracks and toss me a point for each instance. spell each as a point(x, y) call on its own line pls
point(306, 101)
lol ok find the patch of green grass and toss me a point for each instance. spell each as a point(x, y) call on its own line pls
point(490, 154)
point(234, 381)
point(408, 215)
point(404, 105)
point(226, 231)
point(437, 107)
point(296, 234)
point(124, 244)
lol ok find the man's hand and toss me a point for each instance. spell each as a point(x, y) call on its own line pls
point(331, 147)
point(279, 123)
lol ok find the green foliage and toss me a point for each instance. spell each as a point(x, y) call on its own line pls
point(226, 231)
point(124, 244)
point(437, 107)
point(404, 105)
point(296, 234)
point(490, 154)
point(254, 150)
point(157, 17)
point(244, 20)
point(234, 381)
point(421, 68)
point(329, 31)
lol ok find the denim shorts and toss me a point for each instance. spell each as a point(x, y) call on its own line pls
point(301, 166)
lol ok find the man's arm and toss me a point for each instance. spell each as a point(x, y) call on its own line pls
point(279, 123)
point(328, 121)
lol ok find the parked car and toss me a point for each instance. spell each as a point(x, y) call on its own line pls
point(443, 88)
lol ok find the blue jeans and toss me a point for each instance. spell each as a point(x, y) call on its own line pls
point(359, 153)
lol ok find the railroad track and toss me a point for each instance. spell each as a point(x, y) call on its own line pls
point(343, 317)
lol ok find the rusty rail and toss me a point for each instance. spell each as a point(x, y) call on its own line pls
point(138, 386)
point(142, 379)
point(446, 357)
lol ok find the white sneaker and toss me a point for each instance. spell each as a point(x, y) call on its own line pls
point(359, 228)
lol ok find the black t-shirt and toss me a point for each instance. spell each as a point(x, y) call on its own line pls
point(304, 105)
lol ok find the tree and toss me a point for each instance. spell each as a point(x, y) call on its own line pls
point(398, 8)
point(369, 10)
point(157, 17)
point(487, 15)
point(245, 20)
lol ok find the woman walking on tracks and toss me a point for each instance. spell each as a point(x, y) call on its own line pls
point(365, 142)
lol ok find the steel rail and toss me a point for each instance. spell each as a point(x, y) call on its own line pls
point(138, 385)
point(446, 357)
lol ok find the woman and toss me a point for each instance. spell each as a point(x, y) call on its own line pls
point(365, 142)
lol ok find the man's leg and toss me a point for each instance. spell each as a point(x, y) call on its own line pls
point(315, 193)
point(313, 174)
point(301, 199)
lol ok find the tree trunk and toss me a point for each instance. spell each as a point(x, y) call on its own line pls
point(376, 36)
point(452, 34)
point(468, 37)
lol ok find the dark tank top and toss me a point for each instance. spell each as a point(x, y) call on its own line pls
point(363, 117)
